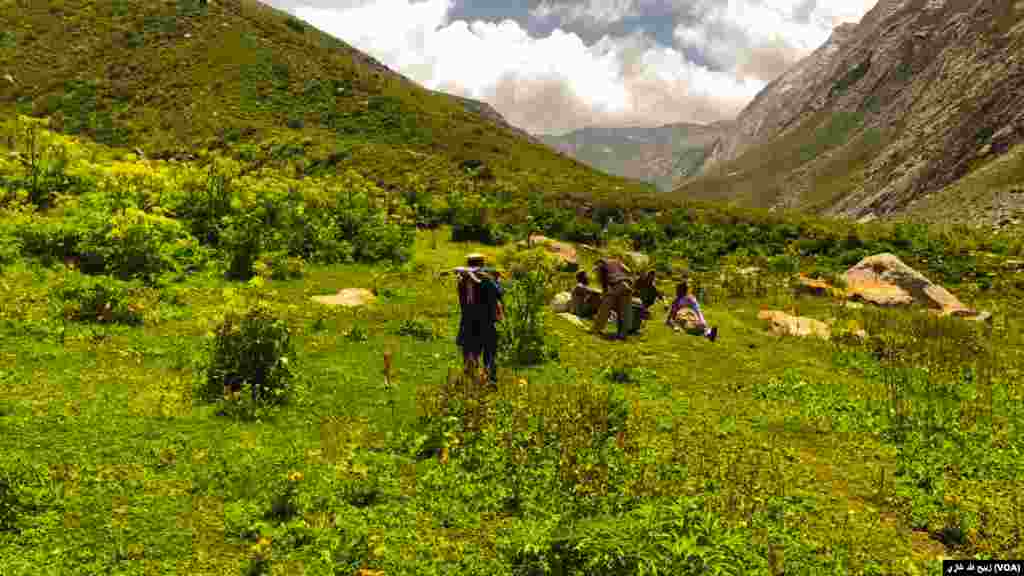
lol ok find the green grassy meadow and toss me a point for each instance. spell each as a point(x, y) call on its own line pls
point(666, 453)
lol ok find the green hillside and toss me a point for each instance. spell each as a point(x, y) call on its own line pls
point(174, 77)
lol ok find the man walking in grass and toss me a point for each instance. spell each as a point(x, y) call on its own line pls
point(480, 301)
point(618, 295)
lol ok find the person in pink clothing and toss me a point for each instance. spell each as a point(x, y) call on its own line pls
point(686, 301)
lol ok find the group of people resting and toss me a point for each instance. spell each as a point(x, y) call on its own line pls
point(617, 290)
point(481, 303)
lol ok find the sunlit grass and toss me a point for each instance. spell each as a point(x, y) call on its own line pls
point(126, 464)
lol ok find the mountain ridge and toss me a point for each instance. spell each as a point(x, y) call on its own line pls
point(660, 155)
point(888, 113)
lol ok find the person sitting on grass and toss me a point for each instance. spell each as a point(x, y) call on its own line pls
point(585, 300)
point(685, 314)
point(647, 289)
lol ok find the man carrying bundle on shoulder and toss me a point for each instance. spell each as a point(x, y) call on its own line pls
point(480, 302)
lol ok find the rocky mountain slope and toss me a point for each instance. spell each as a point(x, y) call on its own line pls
point(660, 155)
point(917, 109)
point(172, 78)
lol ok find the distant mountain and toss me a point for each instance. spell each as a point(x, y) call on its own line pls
point(661, 155)
point(916, 110)
point(174, 77)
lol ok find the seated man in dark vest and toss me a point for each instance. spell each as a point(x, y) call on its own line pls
point(585, 300)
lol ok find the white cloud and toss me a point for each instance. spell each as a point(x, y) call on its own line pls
point(599, 11)
point(549, 84)
point(734, 32)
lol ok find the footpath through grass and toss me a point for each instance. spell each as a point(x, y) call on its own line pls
point(750, 455)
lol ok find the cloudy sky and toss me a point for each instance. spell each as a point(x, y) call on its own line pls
point(550, 66)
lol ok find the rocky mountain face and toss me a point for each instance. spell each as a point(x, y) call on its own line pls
point(661, 155)
point(917, 107)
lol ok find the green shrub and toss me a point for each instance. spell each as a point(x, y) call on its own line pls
point(279, 265)
point(96, 299)
point(23, 494)
point(418, 329)
point(10, 249)
point(670, 537)
point(202, 202)
point(380, 239)
point(624, 372)
point(548, 442)
point(785, 264)
point(131, 244)
point(329, 248)
point(341, 225)
point(242, 240)
point(473, 220)
point(48, 240)
point(523, 338)
point(357, 333)
point(40, 170)
point(247, 216)
point(252, 353)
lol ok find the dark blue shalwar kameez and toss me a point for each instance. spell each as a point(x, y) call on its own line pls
point(478, 334)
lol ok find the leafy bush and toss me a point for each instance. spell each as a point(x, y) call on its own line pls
point(548, 442)
point(252, 352)
point(23, 494)
point(669, 537)
point(47, 239)
point(242, 240)
point(418, 329)
point(624, 372)
point(203, 200)
point(523, 338)
point(10, 248)
point(356, 333)
point(647, 235)
point(785, 264)
point(473, 221)
point(131, 244)
point(346, 224)
point(38, 173)
point(279, 266)
point(97, 299)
